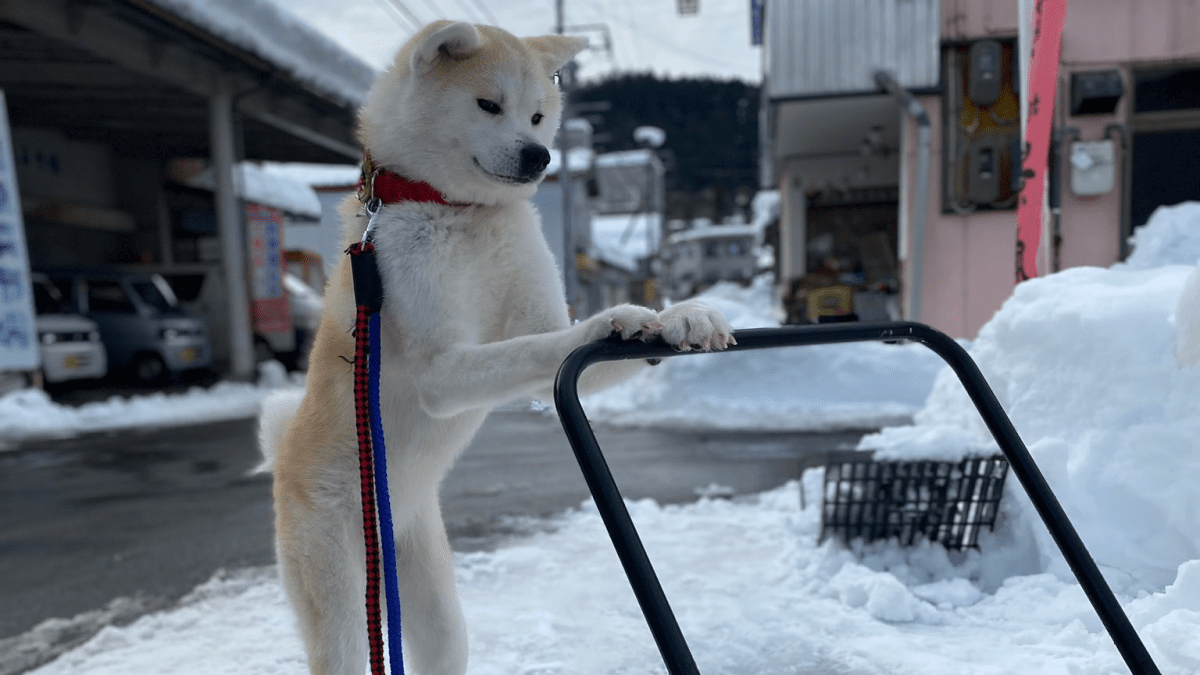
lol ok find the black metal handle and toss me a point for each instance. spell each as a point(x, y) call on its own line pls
point(632, 554)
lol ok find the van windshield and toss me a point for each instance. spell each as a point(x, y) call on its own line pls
point(46, 298)
point(151, 295)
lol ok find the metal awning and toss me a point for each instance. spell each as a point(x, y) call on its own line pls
point(133, 75)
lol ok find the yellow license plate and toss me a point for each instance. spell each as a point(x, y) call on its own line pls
point(72, 362)
point(188, 354)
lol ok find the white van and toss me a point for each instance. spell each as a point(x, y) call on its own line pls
point(145, 332)
point(70, 343)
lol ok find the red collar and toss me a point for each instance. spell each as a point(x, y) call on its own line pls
point(389, 187)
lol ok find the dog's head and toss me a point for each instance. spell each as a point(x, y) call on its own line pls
point(471, 110)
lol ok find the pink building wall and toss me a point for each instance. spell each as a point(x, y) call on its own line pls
point(969, 261)
point(968, 265)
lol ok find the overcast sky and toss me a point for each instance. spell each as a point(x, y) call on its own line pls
point(646, 35)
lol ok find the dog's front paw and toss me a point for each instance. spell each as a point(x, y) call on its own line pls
point(628, 321)
point(693, 325)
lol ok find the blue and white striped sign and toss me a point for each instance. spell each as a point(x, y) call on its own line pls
point(18, 334)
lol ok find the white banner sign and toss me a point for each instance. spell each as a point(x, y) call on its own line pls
point(18, 334)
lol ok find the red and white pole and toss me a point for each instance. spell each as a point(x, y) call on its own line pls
point(1046, 29)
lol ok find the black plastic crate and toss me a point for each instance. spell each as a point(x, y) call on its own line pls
point(943, 502)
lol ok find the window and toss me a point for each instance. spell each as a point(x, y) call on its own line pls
point(46, 298)
point(152, 295)
point(1161, 89)
point(108, 296)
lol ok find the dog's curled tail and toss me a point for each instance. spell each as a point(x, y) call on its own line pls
point(278, 409)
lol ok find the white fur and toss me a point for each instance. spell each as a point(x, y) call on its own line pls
point(473, 317)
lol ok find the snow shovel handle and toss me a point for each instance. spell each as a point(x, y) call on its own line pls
point(642, 578)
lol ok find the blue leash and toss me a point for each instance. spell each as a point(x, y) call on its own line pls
point(368, 294)
point(387, 538)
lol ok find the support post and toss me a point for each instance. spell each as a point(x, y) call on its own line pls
point(920, 195)
point(231, 230)
point(570, 271)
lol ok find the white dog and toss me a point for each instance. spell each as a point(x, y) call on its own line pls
point(473, 316)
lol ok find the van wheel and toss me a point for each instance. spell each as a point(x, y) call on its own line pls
point(149, 369)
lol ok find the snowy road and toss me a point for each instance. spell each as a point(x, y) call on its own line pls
point(149, 515)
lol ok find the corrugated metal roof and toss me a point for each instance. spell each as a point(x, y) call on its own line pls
point(831, 47)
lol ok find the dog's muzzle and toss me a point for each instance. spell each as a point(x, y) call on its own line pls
point(534, 160)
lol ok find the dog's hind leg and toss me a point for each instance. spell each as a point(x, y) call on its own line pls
point(320, 548)
point(435, 636)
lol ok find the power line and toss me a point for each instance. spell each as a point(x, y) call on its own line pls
point(409, 15)
point(657, 41)
point(394, 15)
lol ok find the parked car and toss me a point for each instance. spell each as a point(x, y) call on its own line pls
point(145, 332)
point(70, 343)
point(201, 290)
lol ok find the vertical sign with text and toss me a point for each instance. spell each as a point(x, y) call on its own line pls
point(269, 309)
point(18, 334)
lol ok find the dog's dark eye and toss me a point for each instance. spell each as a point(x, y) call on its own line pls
point(537, 119)
point(489, 107)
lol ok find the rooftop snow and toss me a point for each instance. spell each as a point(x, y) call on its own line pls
point(714, 232)
point(317, 175)
point(263, 185)
point(261, 28)
point(581, 161)
point(626, 158)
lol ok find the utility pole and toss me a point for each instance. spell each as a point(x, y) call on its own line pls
point(566, 80)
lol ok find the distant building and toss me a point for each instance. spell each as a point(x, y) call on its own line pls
point(628, 182)
point(694, 259)
point(104, 97)
point(915, 176)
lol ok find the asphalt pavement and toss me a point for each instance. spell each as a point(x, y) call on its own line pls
point(107, 527)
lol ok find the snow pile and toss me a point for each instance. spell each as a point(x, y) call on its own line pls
point(812, 388)
point(1084, 363)
point(1187, 322)
point(27, 414)
point(275, 34)
point(1169, 237)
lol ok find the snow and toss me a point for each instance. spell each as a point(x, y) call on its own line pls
point(1085, 363)
point(625, 238)
point(817, 388)
point(1172, 240)
point(580, 161)
point(267, 186)
point(266, 30)
point(712, 231)
point(30, 414)
point(318, 175)
point(650, 136)
point(626, 157)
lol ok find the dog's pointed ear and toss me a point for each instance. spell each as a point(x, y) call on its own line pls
point(556, 50)
point(457, 41)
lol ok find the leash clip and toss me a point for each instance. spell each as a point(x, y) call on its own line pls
point(372, 208)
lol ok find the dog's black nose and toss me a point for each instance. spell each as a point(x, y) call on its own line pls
point(534, 159)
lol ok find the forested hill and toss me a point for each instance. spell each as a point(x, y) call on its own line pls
point(711, 126)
